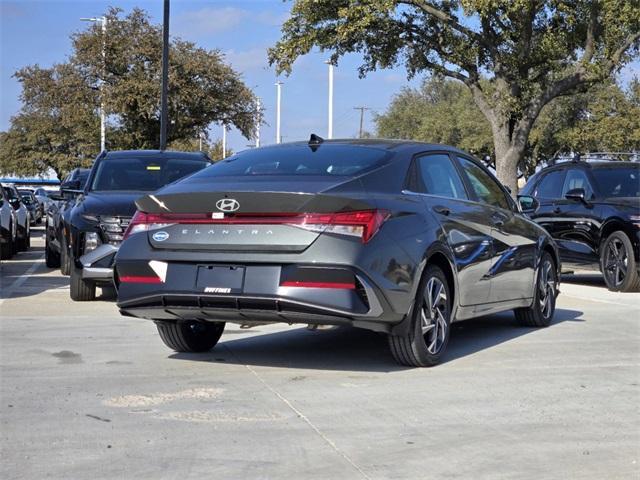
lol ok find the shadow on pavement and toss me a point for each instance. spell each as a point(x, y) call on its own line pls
point(352, 349)
point(589, 279)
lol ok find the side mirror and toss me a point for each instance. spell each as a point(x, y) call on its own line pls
point(577, 194)
point(15, 203)
point(528, 203)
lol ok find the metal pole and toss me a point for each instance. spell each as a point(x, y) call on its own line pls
point(165, 77)
point(258, 123)
point(278, 100)
point(330, 126)
point(224, 141)
point(103, 119)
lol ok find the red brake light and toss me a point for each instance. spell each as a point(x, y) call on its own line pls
point(362, 223)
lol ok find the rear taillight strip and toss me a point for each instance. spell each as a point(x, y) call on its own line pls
point(338, 285)
point(139, 279)
point(361, 223)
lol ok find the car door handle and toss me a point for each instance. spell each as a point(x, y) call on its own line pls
point(441, 210)
point(557, 210)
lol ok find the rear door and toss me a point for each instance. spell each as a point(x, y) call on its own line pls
point(577, 224)
point(464, 222)
point(514, 240)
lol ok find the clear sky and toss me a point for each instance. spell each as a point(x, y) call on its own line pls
point(38, 32)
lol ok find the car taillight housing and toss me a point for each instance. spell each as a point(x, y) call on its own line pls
point(361, 223)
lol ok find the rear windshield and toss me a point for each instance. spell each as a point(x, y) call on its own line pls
point(327, 160)
point(619, 181)
point(145, 174)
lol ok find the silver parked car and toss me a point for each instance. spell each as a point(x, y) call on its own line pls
point(7, 227)
point(23, 217)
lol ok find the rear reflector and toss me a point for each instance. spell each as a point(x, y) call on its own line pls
point(344, 286)
point(139, 279)
point(362, 223)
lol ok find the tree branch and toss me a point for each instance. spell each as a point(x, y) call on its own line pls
point(445, 18)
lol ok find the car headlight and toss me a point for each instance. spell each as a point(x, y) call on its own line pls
point(91, 241)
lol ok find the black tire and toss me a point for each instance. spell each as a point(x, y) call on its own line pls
point(65, 258)
point(618, 264)
point(6, 249)
point(81, 290)
point(426, 339)
point(190, 335)
point(51, 258)
point(540, 313)
point(23, 243)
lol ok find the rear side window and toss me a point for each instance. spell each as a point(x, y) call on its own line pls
point(486, 188)
point(551, 185)
point(577, 179)
point(439, 176)
point(325, 160)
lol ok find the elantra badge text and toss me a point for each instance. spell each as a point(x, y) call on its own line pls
point(227, 205)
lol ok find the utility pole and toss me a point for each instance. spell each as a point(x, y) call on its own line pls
point(103, 115)
point(278, 100)
point(362, 109)
point(330, 123)
point(258, 122)
point(165, 77)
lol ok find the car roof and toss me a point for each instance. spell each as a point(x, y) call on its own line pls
point(116, 154)
point(590, 164)
point(397, 145)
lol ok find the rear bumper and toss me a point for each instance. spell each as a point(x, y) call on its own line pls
point(263, 299)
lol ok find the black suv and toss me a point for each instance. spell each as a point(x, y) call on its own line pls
point(592, 209)
point(56, 250)
point(102, 212)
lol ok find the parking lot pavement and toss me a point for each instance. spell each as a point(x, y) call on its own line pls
point(86, 393)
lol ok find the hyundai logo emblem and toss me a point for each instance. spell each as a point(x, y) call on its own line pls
point(227, 205)
point(160, 236)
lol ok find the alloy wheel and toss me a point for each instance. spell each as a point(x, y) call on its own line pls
point(433, 315)
point(546, 289)
point(616, 262)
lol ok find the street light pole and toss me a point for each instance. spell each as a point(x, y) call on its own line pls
point(330, 124)
point(278, 99)
point(103, 115)
point(258, 122)
point(165, 77)
point(224, 141)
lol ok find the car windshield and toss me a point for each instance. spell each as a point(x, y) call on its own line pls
point(27, 199)
point(618, 181)
point(327, 160)
point(11, 194)
point(145, 174)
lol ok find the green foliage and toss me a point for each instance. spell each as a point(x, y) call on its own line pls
point(58, 124)
point(440, 111)
point(515, 56)
point(605, 119)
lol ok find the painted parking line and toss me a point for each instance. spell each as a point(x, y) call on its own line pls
point(6, 293)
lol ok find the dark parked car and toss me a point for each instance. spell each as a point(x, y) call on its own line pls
point(57, 241)
point(8, 227)
point(102, 212)
point(36, 209)
point(22, 217)
point(396, 237)
point(592, 209)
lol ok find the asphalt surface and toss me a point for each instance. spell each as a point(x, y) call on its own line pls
point(88, 394)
